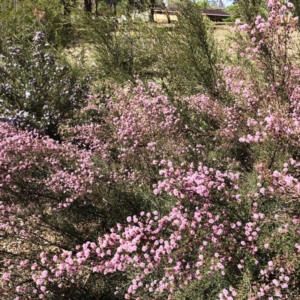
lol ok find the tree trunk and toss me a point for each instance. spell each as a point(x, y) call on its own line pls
point(88, 5)
point(96, 7)
point(152, 3)
point(114, 6)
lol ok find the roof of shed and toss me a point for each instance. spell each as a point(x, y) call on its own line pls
point(215, 12)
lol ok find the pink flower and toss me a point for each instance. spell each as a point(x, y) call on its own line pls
point(43, 288)
point(262, 191)
point(277, 293)
point(156, 191)
point(6, 276)
point(40, 281)
point(275, 282)
point(44, 274)
point(270, 263)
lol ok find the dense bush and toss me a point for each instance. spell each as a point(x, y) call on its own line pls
point(22, 19)
point(153, 196)
point(37, 90)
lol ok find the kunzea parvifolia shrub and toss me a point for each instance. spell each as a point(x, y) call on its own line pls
point(230, 224)
point(37, 89)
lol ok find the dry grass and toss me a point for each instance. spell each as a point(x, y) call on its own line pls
point(221, 32)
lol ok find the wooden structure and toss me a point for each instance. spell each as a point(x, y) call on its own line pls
point(169, 14)
point(215, 15)
point(166, 14)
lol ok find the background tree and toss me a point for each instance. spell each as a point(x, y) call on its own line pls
point(218, 4)
point(249, 9)
point(234, 11)
point(207, 4)
point(88, 5)
point(204, 4)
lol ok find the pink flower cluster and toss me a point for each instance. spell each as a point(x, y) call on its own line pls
point(220, 177)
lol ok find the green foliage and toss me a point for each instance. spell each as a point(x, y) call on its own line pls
point(234, 11)
point(194, 53)
point(123, 51)
point(249, 9)
point(296, 9)
point(182, 58)
point(26, 17)
point(204, 4)
point(229, 20)
point(38, 90)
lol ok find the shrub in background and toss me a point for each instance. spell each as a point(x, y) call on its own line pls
point(252, 8)
point(193, 54)
point(38, 90)
point(21, 19)
point(182, 59)
point(122, 51)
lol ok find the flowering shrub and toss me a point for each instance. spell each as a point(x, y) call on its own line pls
point(37, 91)
point(148, 197)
